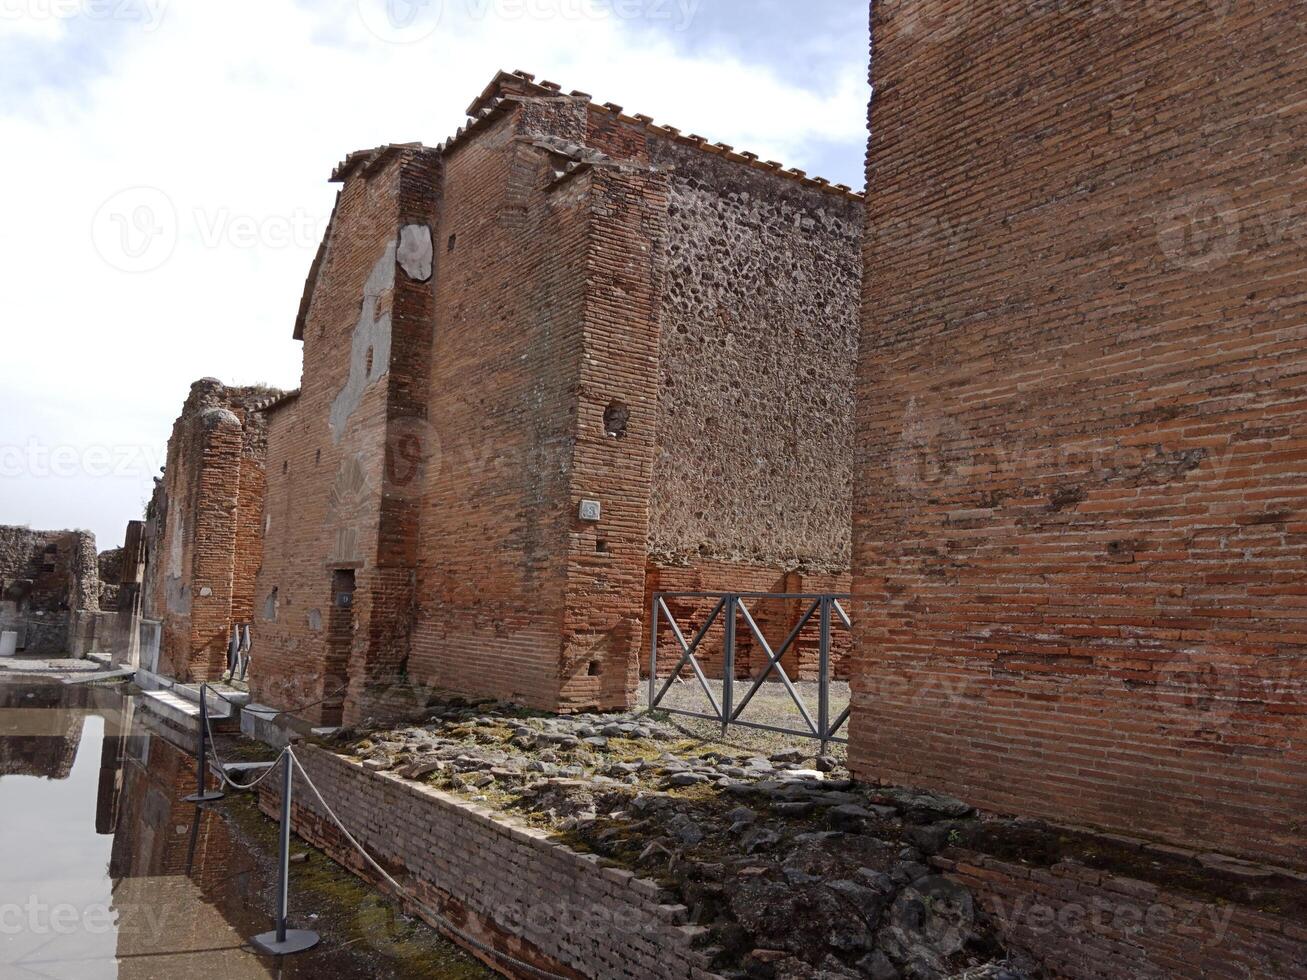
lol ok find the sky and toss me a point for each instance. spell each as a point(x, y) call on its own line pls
point(163, 180)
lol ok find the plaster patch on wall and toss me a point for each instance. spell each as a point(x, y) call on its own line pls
point(369, 355)
point(178, 596)
point(415, 250)
point(176, 537)
point(315, 619)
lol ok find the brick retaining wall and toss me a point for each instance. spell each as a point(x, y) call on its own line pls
point(496, 878)
point(1078, 922)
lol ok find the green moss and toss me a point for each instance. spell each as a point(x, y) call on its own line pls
point(350, 911)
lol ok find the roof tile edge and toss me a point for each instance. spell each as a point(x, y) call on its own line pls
point(495, 97)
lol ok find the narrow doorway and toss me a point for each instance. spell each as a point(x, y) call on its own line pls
point(340, 640)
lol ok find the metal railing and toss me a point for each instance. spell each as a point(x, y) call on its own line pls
point(730, 609)
point(238, 652)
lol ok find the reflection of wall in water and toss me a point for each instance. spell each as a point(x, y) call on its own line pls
point(154, 823)
point(178, 882)
point(40, 729)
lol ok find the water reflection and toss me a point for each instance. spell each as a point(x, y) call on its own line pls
point(106, 872)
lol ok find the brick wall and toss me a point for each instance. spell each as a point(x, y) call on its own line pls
point(510, 309)
point(503, 882)
point(1082, 420)
point(1078, 922)
point(334, 503)
point(519, 377)
point(202, 542)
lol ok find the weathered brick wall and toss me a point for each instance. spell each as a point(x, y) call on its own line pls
point(333, 502)
point(521, 379)
point(46, 579)
point(202, 541)
point(1082, 923)
point(1082, 418)
point(501, 881)
point(504, 372)
point(612, 460)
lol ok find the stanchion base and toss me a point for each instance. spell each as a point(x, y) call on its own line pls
point(206, 797)
point(297, 941)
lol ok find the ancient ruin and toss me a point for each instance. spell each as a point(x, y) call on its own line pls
point(49, 586)
point(563, 359)
point(571, 358)
point(196, 556)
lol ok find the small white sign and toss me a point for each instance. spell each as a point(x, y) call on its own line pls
point(589, 510)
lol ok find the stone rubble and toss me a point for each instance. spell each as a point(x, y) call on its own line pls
point(796, 871)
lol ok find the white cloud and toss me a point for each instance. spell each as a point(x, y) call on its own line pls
point(220, 123)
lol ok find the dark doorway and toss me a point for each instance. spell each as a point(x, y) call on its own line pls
point(340, 641)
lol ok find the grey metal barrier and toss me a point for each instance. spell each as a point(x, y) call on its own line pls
point(730, 609)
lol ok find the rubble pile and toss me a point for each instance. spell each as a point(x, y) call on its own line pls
point(795, 870)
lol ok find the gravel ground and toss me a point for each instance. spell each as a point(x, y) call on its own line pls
point(772, 705)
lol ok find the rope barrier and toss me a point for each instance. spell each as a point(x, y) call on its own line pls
point(405, 893)
point(222, 766)
point(205, 688)
point(439, 919)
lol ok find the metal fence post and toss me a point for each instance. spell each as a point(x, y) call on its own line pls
point(823, 675)
point(653, 651)
point(728, 661)
point(202, 754)
point(281, 941)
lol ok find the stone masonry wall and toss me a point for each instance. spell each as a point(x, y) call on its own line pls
point(503, 882)
point(46, 579)
point(1079, 525)
point(758, 345)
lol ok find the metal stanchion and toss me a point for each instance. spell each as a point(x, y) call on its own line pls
point(201, 760)
point(281, 940)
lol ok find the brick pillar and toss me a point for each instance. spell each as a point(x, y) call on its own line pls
point(378, 676)
point(613, 459)
point(217, 494)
